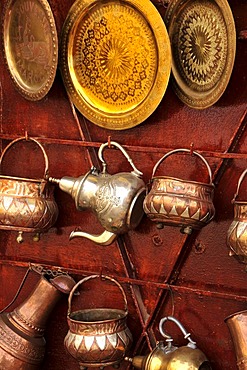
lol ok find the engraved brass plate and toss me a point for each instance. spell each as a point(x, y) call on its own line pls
point(31, 46)
point(115, 60)
point(203, 42)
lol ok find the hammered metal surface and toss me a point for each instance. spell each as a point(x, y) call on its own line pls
point(203, 41)
point(115, 60)
point(31, 46)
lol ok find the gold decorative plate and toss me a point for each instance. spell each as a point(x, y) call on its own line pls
point(203, 43)
point(115, 60)
point(30, 46)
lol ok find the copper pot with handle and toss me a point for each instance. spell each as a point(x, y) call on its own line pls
point(176, 202)
point(237, 232)
point(97, 337)
point(26, 204)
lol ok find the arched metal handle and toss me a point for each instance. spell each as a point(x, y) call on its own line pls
point(239, 184)
point(93, 277)
point(181, 327)
point(187, 151)
point(27, 139)
point(117, 145)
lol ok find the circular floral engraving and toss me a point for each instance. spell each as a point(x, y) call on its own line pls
point(201, 45)
point(114, 57)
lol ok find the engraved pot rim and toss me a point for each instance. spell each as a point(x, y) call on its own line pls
point(212, 186)
point(86, 316)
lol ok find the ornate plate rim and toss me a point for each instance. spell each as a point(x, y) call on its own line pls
point(185, 94)
point(150, 103)
point(28, 92)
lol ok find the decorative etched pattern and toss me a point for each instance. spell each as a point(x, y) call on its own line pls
point(201, 45)
point(23, 206)
point(115, 56)
point(31, 46)
point(21, 347)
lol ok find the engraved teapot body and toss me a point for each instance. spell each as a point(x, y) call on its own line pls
point(116, 200)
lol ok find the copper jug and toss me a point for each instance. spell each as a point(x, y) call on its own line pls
point(22, 342)
point(98, 337)
point(170, 357)
point(27, 205)
point(237, 325)
point(116, 200)
point(237, 232)
point(176, 202)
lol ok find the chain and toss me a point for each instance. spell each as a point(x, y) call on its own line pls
point(41, 270)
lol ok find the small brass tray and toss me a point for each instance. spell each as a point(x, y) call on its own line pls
point(203, 42)
point(115, 60)
point(30, 46)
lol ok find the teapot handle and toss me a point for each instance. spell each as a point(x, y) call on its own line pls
point(191, 343)
point(187, 151)
point(93, 277)
point(239, 183)
point(136, 172)
point(27, 139)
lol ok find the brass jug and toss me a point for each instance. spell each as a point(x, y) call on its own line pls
point(116, 200)
point(176, 202)
point(22, 342)
point(27, 205)
point(237, 325)
point(237, 232)
point(169, 357)
point(97, 337)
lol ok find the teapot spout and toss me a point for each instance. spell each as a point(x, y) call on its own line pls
point(106, 238)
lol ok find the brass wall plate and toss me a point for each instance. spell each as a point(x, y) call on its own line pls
point(115, 60)
point(30, 46)
point(203, 42)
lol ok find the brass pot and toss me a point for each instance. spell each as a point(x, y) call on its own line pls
point(237, 232)
point(22, 342)
point(98, 336)
point(116, 200)
point(176, 202)
point(27, 205)
point(169, 357)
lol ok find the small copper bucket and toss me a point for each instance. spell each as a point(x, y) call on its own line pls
point(175, 202)
point(97, 337)
point(26, 205)
point(237, 232)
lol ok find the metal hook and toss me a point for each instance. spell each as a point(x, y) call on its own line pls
point(109, 142)
point(191, 148)
point(26, 136)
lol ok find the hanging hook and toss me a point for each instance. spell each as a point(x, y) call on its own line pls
point(109, 142)
point(191, 148)
point(26, 136)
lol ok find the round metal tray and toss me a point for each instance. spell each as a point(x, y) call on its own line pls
point(30, 46)
point(203, 42)
point(115, 60)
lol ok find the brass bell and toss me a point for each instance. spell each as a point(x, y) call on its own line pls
point(170, 357)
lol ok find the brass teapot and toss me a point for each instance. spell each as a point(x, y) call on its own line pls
point(176, 202)
point(237, 232)
point(116, 200)
point(22, 342)
point(170, 357)
point(26, 204)
point(98, 337)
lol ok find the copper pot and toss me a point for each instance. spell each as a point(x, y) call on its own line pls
point(237, 232)
point(22, 342)
point(237, 325)
point(27, 205)
point(176, 202)
point(98, 336)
